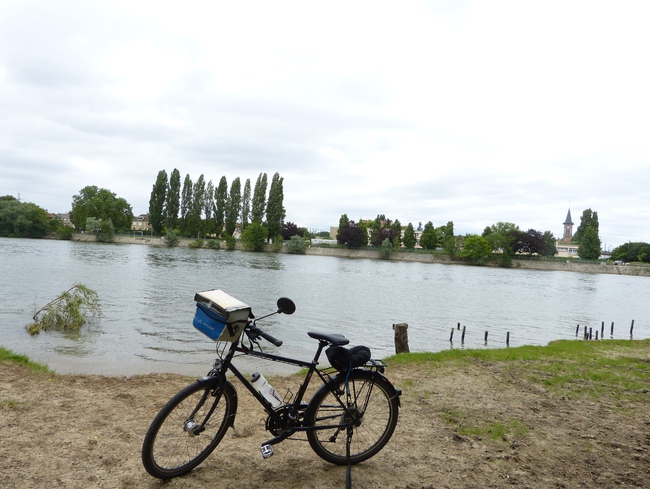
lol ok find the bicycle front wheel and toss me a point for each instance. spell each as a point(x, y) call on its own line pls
point(188, 428)
point(369, 406)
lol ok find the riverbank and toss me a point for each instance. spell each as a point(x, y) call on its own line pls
point(571, 415)
point(569, 265)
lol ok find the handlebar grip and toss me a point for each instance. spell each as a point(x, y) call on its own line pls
point(254, 332)
point(270, 338)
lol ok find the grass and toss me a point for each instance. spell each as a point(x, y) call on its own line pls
point(610, 370)
point(9, 356)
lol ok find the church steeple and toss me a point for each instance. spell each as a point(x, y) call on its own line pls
point(568, 228)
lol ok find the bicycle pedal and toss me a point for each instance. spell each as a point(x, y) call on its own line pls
point(267, 451)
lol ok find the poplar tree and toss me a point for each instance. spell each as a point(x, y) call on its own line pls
point(246, 204)
point(587, 236)
point(259, 199)
point(198, 200)
point(275, 212)
point(172, 202)
point(186, 202)
point(234, 207)
point(220, 197)
point(157, 202)
point(208, 205)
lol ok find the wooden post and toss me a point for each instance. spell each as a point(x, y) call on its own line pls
point(586, 335)
point(577, 330)
point(507, 338)
point(602, 330)
point(612, 332)
point(486, 335)
point(451, 336)
point(401, 338)
point(458, 326)
point(462, 336)
point(596, 335)
point(631, 329)
point(590, 337)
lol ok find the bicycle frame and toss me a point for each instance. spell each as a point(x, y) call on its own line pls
point(294, 407)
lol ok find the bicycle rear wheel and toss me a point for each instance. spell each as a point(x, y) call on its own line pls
point(188, 428)
point(372, 411)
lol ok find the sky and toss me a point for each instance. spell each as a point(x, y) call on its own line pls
point(471, 112)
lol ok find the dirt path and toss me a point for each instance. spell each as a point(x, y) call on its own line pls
point(86, 431)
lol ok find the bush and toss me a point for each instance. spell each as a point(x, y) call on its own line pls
point(230, 242)
point(65, 232)
point(171, 238)
point(198, 243)
point(386, 249)
point(297, 245)
point(254, 237)
point(213, 244)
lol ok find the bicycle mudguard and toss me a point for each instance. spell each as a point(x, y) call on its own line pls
point(228, 390)
point(362, 372)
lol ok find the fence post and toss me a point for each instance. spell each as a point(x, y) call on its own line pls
point(401, 338)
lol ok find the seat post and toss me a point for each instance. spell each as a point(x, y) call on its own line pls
point(321, 344)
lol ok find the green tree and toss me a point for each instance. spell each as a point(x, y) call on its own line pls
point(275, 212)
point(343, 221)
point(208, 205)
point(397, 233)
point(233, 209)
point(409, 237)
point(173, 200)
point(587, 236)
point(102, 204)
point(254, 237)
point(502, 237)
point(632, 252)
point(448, 239)
point(589, 218)
point(186, 203)
point(589, 245)
point(259, 199)
point(157, 202)
point(246, 204)
point(194, 224)
point(24, 219)
point(549, 244)
point(429, 237)
point(220, 199)
point(476, 249)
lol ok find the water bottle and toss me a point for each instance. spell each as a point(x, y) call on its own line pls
point(263, 387)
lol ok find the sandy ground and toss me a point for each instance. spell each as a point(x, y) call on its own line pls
point(86, 431)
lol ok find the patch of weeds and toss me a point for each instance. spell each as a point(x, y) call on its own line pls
point(468, 424)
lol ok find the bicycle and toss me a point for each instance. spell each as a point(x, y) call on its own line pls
point(349, 419)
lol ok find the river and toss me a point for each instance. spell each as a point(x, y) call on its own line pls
point(147, 295)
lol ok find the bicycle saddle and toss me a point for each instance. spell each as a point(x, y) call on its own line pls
point(334, 338)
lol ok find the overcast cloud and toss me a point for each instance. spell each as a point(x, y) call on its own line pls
point(471, 112)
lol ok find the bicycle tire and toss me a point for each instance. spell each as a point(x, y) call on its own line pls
point(373, 397)
point(170, 447)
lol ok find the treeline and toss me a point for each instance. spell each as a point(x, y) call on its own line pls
point(26, 220)
point(385, 231)
point(500, 241)
point(200, 209)
point(632, 252)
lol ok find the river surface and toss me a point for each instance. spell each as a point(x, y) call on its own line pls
point(147, 295)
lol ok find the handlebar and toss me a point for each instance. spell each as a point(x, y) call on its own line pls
point(254, 332)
